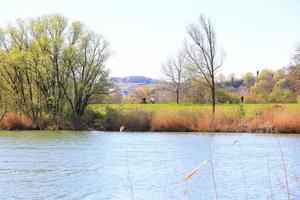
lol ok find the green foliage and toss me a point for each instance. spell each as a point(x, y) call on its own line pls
point(117, 109)
point(279, 95)
point(293, 80)
point(279, 75)
point(277, 87)
point(48, 68)
point(131, 118)
point(248, 79)
point(225, 97)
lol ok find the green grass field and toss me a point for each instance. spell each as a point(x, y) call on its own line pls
point(250, 109)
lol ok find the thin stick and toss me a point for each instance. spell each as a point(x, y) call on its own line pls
point(284, 169)
point(128, 173)
point(129, 179)
point(212, 171)
point(192, 173)
point(243, 171)
point(244, 181)
point(270, 178)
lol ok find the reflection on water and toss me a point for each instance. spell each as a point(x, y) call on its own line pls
point(150, 166)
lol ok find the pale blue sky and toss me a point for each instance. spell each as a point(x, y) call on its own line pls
point(254, 33)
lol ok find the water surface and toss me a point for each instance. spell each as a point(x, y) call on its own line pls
point(150, 166)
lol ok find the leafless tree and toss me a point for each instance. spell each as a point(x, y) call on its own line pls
point(174, 70)
point(297, 55)
point(203, 53)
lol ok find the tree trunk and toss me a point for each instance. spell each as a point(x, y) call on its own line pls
point(213, 95)
point(76, 120)
point(177, 96)
point(213, 100)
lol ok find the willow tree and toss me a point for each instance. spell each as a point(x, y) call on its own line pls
point(84, 73)
point(49, 38)
point(203, 53)
point(17, 79)
point(47, 65)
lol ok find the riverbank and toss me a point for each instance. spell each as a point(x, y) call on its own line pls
point(237, 118)
point(260, 118)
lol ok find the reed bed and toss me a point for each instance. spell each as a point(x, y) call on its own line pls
point(270, 120)
point(16, 121)
point(275, 119)
point(175, 121)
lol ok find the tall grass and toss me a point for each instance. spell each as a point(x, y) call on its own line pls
point(130, 119)
point(229, 118)
point(16, 121)
point(221, 122)
point(270, 120)
point(276, 120)
point(172, 120)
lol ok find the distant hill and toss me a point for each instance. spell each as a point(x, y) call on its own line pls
point(135, 80)
point(130, 83)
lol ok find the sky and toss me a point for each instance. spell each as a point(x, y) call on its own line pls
point(254, 34)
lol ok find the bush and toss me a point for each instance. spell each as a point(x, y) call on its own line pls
point(223, 97)
point(282, 96)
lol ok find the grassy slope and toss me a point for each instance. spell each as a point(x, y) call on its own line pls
point(250, 109)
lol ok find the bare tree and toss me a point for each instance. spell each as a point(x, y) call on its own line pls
point(203, 54)
point(174, 70)
point(297, 55)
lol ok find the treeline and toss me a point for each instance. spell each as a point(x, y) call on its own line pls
point(280, 86)
point(265, 86)
point(50, 69)
point(191, 76)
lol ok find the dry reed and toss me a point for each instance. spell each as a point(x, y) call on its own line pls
point(220, 122)
point(272, 120)
point(170, 120)
point(276, 120)
point(194, 171)
point(16, 121)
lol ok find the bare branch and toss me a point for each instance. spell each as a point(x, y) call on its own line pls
point(202, 53)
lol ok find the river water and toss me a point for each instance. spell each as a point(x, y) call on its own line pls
point(150, 166)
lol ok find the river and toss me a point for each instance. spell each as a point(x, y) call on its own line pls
point(147, 166)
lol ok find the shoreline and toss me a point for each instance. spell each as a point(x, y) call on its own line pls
point(149, 131)
point(118, 118)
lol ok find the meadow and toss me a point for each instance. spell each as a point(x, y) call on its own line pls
point(250, 109)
